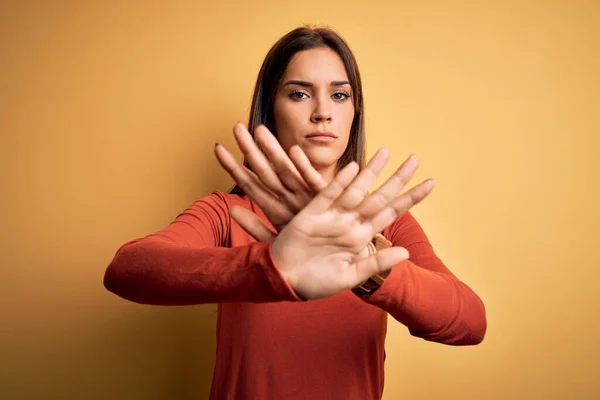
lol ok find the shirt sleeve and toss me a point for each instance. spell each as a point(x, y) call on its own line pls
point(424, 295)
point(190, 262)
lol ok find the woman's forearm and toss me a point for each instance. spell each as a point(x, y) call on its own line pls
point(150, 271)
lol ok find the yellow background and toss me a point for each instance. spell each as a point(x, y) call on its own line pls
point(109, 113)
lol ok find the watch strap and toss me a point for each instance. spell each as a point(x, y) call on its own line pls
point(369, 286)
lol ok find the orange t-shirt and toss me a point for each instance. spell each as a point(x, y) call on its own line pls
point(270, 343)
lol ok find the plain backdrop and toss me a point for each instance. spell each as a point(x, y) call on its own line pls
point(109, 111)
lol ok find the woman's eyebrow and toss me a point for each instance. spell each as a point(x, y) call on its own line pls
point(310, 84)
point(340, 83)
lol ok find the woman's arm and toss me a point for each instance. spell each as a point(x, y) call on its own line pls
point(424, 295)
point(188, 263)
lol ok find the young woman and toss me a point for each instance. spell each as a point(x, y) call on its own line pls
point(304, 262)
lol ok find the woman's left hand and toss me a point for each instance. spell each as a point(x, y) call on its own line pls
point(276, 185)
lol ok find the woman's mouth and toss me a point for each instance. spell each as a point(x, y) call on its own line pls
point(321, 137)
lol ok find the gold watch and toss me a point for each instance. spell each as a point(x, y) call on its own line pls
point(379, 242)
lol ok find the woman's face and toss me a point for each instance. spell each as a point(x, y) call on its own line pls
point(313, 107)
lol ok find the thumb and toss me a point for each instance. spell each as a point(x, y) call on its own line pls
point(379, 262)
point(251, 223)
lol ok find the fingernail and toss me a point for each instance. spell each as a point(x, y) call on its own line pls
point(216, 144)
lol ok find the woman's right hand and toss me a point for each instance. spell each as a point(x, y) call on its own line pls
point(273, 181)
point(317, 250)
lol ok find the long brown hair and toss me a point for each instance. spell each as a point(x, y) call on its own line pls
point(272, 70)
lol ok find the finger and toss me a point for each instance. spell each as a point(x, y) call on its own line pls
point(257, 160)
point(378, 200)
point(380, 262)
point(311, 176)
point(262, 185)
point(284, 167)
point(251, 223)
point(400, 205)
point(358, 190)
point(333, 190)
point(243, 178)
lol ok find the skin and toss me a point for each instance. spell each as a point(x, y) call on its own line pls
point(315, 95)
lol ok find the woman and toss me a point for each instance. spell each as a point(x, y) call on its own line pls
point(292, 254)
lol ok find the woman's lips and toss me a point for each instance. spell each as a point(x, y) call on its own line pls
point(321, 138)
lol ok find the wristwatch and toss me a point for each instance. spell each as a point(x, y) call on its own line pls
point(379, 242)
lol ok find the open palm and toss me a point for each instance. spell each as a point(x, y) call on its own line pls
point(317, 251)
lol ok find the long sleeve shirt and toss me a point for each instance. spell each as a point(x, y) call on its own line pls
point(271, 344)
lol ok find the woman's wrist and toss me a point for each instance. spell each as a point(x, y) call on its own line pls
point(374, 282)
point(368, 251)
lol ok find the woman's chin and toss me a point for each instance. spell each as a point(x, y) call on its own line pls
point(322, 161)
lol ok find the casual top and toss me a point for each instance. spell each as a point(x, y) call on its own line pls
point(271, 344)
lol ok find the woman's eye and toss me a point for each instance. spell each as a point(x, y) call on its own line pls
point(298, 95)
point(340, 96)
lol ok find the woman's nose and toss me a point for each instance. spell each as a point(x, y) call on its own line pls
point(321, 113)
